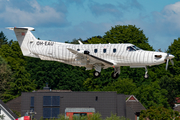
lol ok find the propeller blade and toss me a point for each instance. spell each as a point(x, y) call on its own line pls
point(172, 62)
point(167, 64)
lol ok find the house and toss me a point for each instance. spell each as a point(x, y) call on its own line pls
point(6, 112)
point(50, 103)
point(177, 105)
point(133, 107)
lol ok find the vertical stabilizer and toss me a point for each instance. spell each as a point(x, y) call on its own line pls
point(24, 37)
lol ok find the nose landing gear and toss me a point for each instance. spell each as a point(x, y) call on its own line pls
point(116, 73)
point(146, 73)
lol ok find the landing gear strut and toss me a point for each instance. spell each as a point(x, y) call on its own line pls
point(146, 73)
point(116, 72)
point(97, 71)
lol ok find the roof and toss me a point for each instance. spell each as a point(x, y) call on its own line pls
point(177, 108)
point(50, 90)
point(80, 110)
point(134, 104)
point(178, 100)
point(15, 104)
point(7, 109)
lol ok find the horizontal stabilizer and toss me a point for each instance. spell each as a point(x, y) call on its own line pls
point(21, 28)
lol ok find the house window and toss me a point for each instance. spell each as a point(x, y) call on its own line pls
point(51, 106)
point(96, 98)
point(32, 101)
point(104, 50)
point(32, 104)
point(95, 50)
point(114, 50)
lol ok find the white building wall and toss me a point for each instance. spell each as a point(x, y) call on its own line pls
point(7, 115)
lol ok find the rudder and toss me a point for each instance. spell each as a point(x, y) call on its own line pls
point(24, 37)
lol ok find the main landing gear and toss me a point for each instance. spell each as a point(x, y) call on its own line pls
point(97, 71)
point(146, 73)
point(116, 72)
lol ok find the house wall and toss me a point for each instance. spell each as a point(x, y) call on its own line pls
point(104, 102)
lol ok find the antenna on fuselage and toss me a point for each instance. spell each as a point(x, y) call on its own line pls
point(80, 42)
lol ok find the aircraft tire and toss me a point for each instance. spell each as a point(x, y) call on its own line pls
point(97, 74)
point(114, 76)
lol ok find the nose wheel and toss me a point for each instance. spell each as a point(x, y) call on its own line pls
point(146, 73)
point(114, 75)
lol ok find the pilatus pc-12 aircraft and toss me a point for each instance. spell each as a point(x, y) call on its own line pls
point(91, 56)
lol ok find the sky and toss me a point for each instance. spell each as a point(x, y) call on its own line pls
point(65, 20)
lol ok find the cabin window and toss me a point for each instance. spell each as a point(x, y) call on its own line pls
point(95, 50)
point(78, 49)
point(114, 50)
point(104, 50)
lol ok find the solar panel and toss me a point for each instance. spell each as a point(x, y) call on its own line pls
point(46, 100)
point(46, 112)
point(55, 112)
point(55, 101)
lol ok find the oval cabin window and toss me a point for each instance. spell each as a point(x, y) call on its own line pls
point(114, 50)
point(95, 50)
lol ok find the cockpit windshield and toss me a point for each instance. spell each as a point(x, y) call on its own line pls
point(136, 48)
point(133, 48)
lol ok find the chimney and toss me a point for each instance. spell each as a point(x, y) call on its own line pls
point(46, 88)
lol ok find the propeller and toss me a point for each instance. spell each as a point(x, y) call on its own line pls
point(169, 57)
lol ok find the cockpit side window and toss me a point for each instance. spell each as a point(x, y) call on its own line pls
point(130, 48)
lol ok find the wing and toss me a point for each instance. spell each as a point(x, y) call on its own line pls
point(91, 58)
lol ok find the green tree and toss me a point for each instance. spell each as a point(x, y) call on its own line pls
point(13, 55)
point(127, 34)
point(172, 86)
point(175, 50)
point(20, 84)
point(4, 40)
point(115, 117)
point(5, 77)
point(56, 74)
point(159, 113)
point(124, 86)
point(152, 95)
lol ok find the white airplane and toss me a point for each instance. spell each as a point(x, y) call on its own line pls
point(91, 56)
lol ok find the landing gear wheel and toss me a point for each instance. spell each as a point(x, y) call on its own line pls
point(146, 76)
point(114, 75)
point(97, 74)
